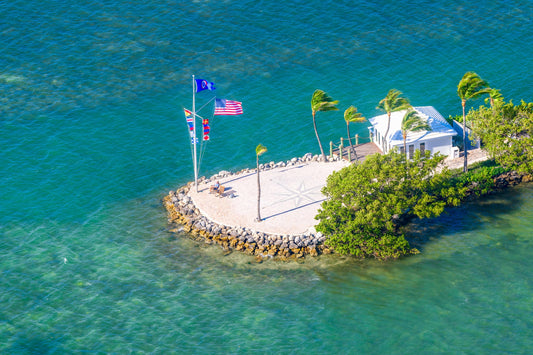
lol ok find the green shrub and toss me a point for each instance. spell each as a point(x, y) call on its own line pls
point(368, 202)
point(480, 181)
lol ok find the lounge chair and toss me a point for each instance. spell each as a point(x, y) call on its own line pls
point(220, 192)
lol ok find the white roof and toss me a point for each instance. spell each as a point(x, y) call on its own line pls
point(438, 124)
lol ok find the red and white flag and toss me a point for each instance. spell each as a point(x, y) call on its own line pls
point(227, 107)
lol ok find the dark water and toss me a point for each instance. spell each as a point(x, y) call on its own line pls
point(93, 135)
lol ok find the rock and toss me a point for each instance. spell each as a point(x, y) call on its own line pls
point(312, 251)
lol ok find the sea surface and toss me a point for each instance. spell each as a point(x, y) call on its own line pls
point(92, 136)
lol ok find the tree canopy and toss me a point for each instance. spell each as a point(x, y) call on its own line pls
point(506, 131)
point(412, 122)
point(367, 203)
point(321, 101)
point(391, 103)
point(351, 115)
point(470, 87)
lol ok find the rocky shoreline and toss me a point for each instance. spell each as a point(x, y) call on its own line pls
point(184, 216)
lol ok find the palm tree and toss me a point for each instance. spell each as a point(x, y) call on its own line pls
point(321, 102)
point(495, 96)
point(391, 103)
point(412, 122)
point(259, 150)
point(351, 115)
point(470, 87)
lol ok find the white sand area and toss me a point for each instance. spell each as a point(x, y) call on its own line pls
point(290, 198)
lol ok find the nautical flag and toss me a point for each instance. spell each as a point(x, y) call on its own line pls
point(194, 140)
point(190, 119)
point(206, 126)
point(205, 123)
point(202, 84)
point(228, 107)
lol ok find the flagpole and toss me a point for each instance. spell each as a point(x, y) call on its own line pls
point(195, 167)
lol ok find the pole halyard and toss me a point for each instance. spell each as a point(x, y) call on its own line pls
point(195, 167)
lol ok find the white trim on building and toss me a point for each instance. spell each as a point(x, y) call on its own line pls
point(439, 139)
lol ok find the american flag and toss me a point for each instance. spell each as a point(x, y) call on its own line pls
point(228, 107)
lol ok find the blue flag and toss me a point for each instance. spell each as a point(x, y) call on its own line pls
point(202, 84)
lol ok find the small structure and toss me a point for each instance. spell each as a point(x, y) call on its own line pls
point(439, 139)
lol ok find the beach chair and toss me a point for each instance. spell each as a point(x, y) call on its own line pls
point(212, 189)
point(220, 192)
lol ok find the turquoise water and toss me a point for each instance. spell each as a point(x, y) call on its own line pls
point(93, 136)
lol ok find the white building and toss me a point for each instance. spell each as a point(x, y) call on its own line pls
point(439, 139)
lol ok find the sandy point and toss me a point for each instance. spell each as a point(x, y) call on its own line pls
point(290, 198)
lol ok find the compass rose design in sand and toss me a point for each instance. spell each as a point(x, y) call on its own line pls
point(301, 195)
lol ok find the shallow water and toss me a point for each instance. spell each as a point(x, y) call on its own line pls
point(93, 136)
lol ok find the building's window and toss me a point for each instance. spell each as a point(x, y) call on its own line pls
point(423, 148)
point(411, 150)
point(402, 150)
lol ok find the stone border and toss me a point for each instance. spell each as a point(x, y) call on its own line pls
point(182, 211)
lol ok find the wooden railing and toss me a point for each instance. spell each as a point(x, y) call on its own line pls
point(344, 143)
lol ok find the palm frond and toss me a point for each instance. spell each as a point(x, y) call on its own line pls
point(472, 86)
point(322, 102)
point(393, 102)
point(495, 96)
point(351, 115)
point(260, 149)
point(413, 122)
